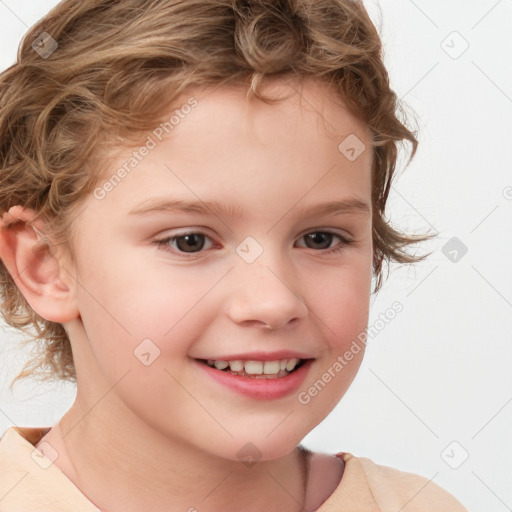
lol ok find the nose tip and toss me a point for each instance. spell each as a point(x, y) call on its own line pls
point(268, 302)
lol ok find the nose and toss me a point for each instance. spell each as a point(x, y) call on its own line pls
point(264, 297)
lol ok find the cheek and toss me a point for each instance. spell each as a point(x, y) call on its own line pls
point(129, 309)
point(136, 297)
point(139, 330)
point(342, 301)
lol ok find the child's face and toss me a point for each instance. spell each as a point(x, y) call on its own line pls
point(243, 272)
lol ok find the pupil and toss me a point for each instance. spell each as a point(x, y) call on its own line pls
point(192, 242)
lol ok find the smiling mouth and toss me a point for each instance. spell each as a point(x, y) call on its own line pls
point(257, 369)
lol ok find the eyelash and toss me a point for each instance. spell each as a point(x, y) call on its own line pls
point(163, 243)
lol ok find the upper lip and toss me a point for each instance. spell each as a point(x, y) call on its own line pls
point(259, 356)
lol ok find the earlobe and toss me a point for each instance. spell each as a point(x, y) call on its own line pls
point(35, 266)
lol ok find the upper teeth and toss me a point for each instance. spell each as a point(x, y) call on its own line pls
point(256, 367)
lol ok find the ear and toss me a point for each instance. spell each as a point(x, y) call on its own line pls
point(38, 269)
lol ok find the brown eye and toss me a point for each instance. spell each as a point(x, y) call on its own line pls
point(322, 238)
point(190, 243)
point(186, 243)
point(322, 241)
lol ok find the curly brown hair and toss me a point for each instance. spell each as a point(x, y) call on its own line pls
point(109, 68)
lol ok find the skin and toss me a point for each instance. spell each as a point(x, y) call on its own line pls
point(167, 427)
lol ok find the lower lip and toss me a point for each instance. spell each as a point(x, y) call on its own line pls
point(260, 389)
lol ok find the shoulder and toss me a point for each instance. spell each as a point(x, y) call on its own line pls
point(400, 490)
point(30, 481)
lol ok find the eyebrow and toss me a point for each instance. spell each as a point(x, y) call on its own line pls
point(156, 205)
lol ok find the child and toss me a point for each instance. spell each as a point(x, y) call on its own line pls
point(256, 129)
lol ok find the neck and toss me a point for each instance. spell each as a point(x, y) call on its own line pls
point(126, 466)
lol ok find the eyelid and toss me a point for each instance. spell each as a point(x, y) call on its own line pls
point(334, 231)
point(344, 234)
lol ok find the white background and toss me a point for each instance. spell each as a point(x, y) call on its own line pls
point(440, 371)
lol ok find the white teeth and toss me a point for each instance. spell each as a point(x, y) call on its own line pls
point(291, 364)
point(254, 367)
point(236, 366)
point(271, 367)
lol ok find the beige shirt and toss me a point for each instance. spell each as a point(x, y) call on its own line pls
point(29, 482)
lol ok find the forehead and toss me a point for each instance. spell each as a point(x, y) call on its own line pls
point(243, 150)
point(304, 102)
point(307, 106)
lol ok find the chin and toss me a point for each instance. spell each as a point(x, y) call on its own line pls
point(246, 447)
